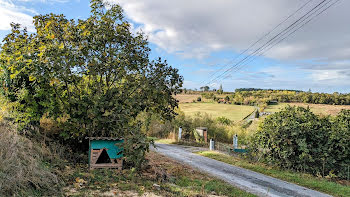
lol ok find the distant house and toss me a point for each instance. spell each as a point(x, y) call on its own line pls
point(273, 102)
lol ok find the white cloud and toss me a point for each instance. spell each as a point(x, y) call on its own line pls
point(318, 53)
point(194, 28)
point(13, 12)
point(9, 12)
point(321, 75)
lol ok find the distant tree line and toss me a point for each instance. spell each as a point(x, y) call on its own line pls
point(252, 97)
point(257, 89)
point(202, 89)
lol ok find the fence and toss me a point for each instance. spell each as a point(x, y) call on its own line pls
point(223, 147)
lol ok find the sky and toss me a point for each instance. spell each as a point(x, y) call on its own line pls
point(204, 38)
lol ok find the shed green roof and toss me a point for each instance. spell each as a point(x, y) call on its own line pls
point(113, 147)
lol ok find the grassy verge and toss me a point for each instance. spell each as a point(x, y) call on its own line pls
point(306, 180)
point(162, 177)
point(182, 142)
point(166, 141)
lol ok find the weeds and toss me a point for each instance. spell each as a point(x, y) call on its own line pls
point(22, 168)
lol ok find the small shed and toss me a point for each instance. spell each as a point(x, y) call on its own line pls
point(203, 133)
point(105, 152)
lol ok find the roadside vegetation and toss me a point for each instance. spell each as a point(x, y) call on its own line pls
point(297, 139)
point(326, 185)
point(24, 167)
point(221, 128)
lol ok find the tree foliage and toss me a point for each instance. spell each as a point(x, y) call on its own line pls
point(259, 96)
point(92, 76)
point(204, 88)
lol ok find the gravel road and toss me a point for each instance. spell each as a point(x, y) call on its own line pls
point(247, 180)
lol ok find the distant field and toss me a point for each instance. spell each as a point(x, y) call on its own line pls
point(316, 108)
point(188, 98)
point(233, 112)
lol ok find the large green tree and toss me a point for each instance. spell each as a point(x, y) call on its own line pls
point(92, 76)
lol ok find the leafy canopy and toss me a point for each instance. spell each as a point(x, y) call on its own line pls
point(92, 76)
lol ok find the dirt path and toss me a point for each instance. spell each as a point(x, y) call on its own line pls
point(250, 181)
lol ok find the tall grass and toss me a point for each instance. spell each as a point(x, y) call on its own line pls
point(23, 171)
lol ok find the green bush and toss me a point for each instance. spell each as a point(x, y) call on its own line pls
point(340, 144)
point(225, 121)
point(209, 95)
point(295, 138)
point(216, 130)
point(256, 114)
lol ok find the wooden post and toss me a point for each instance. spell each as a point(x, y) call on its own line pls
point(205, 134)
point(89, 154)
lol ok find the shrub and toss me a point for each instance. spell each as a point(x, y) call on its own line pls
point(256, 114)
point(225, 121)
point(221, 129)
point(209, 95)
point(216, 131)
point(199, 99)
point(295, 138)
point(340, 144)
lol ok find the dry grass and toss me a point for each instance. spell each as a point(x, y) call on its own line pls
point(22, 170)
point(232, 112)
point(320, 109)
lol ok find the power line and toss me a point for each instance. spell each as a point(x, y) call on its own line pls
point(291, 33)
point(262, 52)
point(268, 42)
point(282, 33)
point(261, 38)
